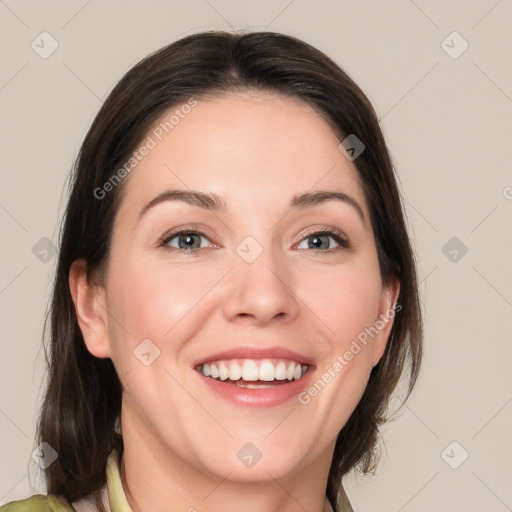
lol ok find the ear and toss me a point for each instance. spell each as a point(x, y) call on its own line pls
point(387, 311)
point(90, 307)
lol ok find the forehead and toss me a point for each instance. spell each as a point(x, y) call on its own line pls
point(244, 147)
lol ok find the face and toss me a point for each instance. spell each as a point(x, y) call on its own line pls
point(255, 321)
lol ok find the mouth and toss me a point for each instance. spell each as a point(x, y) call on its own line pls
point(255, 377)
point(252, 373)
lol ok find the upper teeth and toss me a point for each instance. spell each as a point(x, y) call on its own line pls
point(249, 369)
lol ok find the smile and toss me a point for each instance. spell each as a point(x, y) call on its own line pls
point(254, 374)
point(251, 376)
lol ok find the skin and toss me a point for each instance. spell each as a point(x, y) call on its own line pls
point(256, 151)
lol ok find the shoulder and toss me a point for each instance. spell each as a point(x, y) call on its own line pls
point(38, 503)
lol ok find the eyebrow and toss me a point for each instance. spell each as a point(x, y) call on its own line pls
point(308, 199)
point(214, 203)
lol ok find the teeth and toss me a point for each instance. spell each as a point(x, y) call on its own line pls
point(223, 371)
point(280, 371)
point(235, 371)
point(250, 370)
point(253, 370)
point(267, 371)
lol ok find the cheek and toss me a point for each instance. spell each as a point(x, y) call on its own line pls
point(346, 301)
point(149, 300)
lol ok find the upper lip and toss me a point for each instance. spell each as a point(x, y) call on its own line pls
point(251, 352)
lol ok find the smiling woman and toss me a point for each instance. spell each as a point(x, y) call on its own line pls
point(230, 318)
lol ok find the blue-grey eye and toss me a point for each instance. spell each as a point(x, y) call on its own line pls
point(186, 240)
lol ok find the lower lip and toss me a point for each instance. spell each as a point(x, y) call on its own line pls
point(264, 397)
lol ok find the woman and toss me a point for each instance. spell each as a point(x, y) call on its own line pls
point(236, 295)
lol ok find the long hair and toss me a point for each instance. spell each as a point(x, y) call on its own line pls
point(82, 401)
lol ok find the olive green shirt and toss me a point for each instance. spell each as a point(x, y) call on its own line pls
point(114, 498)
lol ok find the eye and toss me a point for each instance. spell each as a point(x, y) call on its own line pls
point(185, 240)
point(320, 240)
point(189, 241)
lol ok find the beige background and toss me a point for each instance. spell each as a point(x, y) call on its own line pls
point(448, 123)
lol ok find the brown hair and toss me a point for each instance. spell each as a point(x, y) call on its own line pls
point(82, 402)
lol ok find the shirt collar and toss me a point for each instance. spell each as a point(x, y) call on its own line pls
point(116, 496)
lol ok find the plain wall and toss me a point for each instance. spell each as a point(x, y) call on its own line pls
point(447, 119)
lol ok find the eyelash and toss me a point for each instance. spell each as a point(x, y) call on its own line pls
point(333, 233)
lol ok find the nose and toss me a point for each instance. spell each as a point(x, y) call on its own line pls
point(261, 292)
